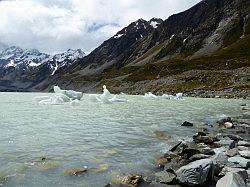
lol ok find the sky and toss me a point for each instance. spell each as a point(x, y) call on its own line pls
point(54, 26)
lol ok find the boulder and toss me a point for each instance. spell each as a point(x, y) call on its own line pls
point(204, 139)
point(195, 173)
point(165, 177)
point(225, 143)
point(75, 171)
point(198, 157)
point(228, 125)
point(231, 180)
point(244, 143)
point(242, 172)
point(207, 151)
point(245, 154)
point(234, 137)
point(243, 162)
point(232, 152)
point(243, 148)
point(224, 120)
point(219, 161)
point(187, 124)
point(130, 180)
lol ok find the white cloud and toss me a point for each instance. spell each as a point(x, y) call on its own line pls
point(56, 25)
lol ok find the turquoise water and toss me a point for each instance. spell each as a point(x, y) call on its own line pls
point(117, 138)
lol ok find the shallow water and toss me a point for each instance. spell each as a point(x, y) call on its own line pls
point(120, 138)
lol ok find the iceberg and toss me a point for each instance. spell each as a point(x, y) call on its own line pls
point(105, 97)
point(149, 95)
point(70, 93)
point(179, 96)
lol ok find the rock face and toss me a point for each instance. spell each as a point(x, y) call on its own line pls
point(195, 173)
point(231, 180)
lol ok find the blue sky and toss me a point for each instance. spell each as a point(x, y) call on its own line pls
point(56, 25)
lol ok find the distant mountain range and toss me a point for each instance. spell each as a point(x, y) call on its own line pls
point(203, 50)
point(20, 69)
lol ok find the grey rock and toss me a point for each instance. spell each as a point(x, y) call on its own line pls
point(234, 137)
point(224, 120)
point(195, 173)
point(245, 154)
point(187, 124)
point(198, 157)
point(226, 143)
point(232, 152)
point(243, 162)
point(231, 180)
point(219, 161)
point(165, 177)
point(244, 143)
point(243, 148)
point(207, 151)
point(242, 172)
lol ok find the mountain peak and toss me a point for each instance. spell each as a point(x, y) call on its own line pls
point(155, 22)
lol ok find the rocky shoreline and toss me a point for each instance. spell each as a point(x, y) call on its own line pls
point(218, 156)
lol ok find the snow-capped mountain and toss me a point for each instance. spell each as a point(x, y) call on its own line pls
point(155, 22)
point(16, 57)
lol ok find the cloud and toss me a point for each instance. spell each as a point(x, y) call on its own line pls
point(56, 25)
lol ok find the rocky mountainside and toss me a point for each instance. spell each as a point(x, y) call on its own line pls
point(22, 69)
point(201, 51)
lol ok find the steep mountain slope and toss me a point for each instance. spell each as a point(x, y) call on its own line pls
point(188, 52)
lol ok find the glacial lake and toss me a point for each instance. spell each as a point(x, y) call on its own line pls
point(40, 143)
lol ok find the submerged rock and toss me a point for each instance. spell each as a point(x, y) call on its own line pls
point(231, 180)
point(187, 124)
point(130, 180)
point(195, 173)
point(165, 177)
point(100, 168)
point(75, 171)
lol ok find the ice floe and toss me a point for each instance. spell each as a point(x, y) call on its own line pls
point(178, 96)
point(60, 97)
point(106, 97)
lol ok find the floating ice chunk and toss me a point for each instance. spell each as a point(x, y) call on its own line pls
point(62, 97)
point(75, 103)
point(166, 96)
point(94, 97)
point(149, 95)
point(70, 93)
point(40, 98)
point(179, 96)
point(117, 100)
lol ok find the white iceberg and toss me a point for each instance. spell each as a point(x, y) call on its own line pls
point(70, 93)
point(179, 96)
point(149, 95)
point(105, 97)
